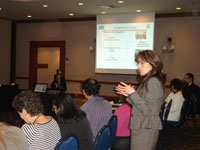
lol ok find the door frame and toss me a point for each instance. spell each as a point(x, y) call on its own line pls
point(34, 45)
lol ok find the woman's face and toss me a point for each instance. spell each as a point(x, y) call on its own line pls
point(56, 109)
point(172, 89)
point(143, 67)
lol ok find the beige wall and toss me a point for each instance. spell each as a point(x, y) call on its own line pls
point(5, 48)
point(185, 32)
point(79, 36)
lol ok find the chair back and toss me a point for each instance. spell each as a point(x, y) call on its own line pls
point(167, 110)
point(113, 125)
point(182, 114)
point(164, 113)
point(68, 142)
point(102, 140)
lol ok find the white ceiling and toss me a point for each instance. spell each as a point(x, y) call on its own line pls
point(19, 9)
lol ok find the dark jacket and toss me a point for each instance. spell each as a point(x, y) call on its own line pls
point(60, 86)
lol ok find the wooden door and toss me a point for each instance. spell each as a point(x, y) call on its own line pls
point(36, 66)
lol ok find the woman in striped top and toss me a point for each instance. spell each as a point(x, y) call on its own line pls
point(42, 131)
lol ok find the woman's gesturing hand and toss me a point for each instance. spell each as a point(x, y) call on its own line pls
point(124, 89)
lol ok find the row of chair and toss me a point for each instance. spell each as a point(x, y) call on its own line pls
point(181, 128)
point(103, 141)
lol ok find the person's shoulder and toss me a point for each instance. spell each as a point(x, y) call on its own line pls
point(179, 94)
point(123, 108)
point(52, 122)
point(195, 86)
point(12, 128)
point(26, 125)
point(155, 81)
point(98, 99)
point(29, 127)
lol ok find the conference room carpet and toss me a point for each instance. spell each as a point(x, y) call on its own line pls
point(188, 138)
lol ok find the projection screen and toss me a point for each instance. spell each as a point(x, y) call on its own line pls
point(119, 37)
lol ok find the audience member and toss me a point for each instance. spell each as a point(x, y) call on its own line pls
point(12, 138)
point(59, 82)
point(175, 99)
point(146, 101)
point(72, 120)
point(98, 109)
point(191, 92)
point(42, 131)
point(122, 139)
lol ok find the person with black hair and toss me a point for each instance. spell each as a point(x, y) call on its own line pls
point(72, 120)
point(42, 131)
point(191, 93)
point(175, 99)
point(98, 109)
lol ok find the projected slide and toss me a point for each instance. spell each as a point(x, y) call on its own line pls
point(117, 44)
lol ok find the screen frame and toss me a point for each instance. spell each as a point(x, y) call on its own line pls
point(125, 18)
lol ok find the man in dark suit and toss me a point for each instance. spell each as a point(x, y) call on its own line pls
point(59, 82)
point(191, 93)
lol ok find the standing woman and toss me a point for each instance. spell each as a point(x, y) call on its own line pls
point(146, 101)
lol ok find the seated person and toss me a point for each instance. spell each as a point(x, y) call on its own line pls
point(98, 109)
point(176, 99)
point(12, 138)
point(122, 139)
point(42, 131)
point(191, 92)
point(58, 82)
point(72, 120)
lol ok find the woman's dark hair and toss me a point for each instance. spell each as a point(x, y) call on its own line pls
point(29, 101)
point(91, 87)
point(153, 59)
point(68, 108)
point(177, 83)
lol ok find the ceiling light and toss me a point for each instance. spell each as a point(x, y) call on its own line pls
point(45, 6)
point(178, 8)
point(0, 8)
point(29, 16)
point(103, 12)
point(138, 10)
point(80, 4)
point(120, 2)
point(71, 14)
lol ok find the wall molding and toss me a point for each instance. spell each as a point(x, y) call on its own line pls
point(21, 77)
point(164, 15)
point(102, 82)
point(182, 14)
point(57, 20)
point(106, 82)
